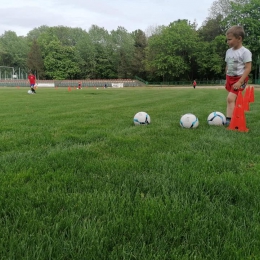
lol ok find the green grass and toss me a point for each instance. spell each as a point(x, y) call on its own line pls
point(79, 181)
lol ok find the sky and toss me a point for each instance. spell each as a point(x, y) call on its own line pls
point(22, 16)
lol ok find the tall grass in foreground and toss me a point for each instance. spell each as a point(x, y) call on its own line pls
point(79, 181)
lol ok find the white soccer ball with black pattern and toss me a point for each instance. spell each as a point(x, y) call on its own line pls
point(189, 121)
point(142, 118)
point(29, 91)
point(216, 118)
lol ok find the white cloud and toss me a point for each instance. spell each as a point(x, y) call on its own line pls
point(23, 16)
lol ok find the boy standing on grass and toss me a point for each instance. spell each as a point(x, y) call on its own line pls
point(32, 82)
point(238, 66)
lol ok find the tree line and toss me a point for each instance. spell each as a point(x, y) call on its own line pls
point(179, 51)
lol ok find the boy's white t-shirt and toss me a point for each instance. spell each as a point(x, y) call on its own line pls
point(236, 59)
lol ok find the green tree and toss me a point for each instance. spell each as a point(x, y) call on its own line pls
point(211, 28)
point(140, 43)
point(14, 50)
point(60, 61)
point(66, 35)
point(35, 61)
point(224, 7)
point(102, 64)
point(170, 55)
point(210, 59)
point(123, 45)
point(34, 34)
point(86, 53)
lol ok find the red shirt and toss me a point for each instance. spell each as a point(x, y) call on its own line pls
point(31, 78)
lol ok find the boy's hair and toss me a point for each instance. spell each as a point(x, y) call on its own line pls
point(237, 31)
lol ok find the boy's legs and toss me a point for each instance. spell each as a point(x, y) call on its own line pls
point(232, 96)
point(231, 102)
point(32, 89)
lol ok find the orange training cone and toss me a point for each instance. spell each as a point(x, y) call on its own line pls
point(238, 120)
point(240, 99)
point(246, 100)
point(252, 95)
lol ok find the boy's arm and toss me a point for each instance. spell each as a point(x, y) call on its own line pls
point(241, 81)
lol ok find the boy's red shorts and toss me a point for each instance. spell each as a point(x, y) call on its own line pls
point(231, 80)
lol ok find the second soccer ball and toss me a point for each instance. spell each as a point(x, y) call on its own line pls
point(142, 118)
point(189, 121)
point(216, 118)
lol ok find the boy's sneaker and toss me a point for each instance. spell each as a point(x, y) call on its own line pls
point(228, 119)
point(227, 123)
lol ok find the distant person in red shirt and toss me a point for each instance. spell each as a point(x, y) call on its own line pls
point(194, 84)
point(79, 85)
point(32, 81)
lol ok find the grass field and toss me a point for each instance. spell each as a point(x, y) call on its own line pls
point(79, 181)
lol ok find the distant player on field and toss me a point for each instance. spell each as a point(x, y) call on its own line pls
point(79, 85)
point(32, 81)
point(194, 84)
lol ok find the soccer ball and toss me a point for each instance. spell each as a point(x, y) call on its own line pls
point(189, 121)
point(29, 92)
point(142, 118)
point(216, 118)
